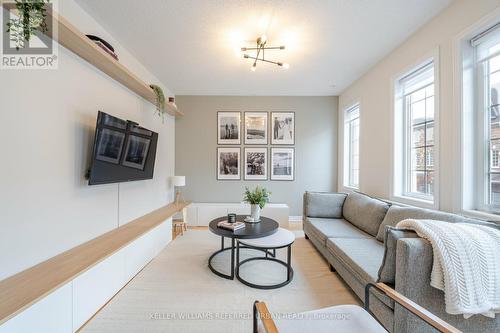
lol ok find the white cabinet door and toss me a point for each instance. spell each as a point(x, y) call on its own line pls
point(138, 254)
point(162, 235)
point(239, 209)
point(92, 289)
point(192, 215)
point(52, 314)
point(208, 213)
point(279, 213)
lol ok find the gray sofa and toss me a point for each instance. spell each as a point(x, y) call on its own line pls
point(348, 230)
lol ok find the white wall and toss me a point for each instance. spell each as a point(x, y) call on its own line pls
point(374, 92)
point(48, 119)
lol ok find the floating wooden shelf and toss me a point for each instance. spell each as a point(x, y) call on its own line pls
point(71, 38)
point(20, 291)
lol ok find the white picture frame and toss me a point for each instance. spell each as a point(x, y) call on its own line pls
point(283, 164)
point(282, 126)
point(228, 128)
point(228, 163)
point(256, 128)
point(255, 166)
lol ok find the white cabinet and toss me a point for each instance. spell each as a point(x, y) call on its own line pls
point(146, 247)
point(92, 289)
point(52, 314)
point(207, 213)
point(192, 215)
point(66, 309)
point(200, 213)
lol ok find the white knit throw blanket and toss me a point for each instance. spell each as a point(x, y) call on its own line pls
point(466, 264)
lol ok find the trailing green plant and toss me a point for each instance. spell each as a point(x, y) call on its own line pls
point(160, 99)
point(32, 15)
point(259, 196)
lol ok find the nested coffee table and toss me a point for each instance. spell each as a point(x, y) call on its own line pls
point(263, 228)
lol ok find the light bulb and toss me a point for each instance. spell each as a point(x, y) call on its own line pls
point(253, 68)
point(286, 66)
point(263, 39)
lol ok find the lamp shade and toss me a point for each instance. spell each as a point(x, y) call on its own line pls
point(179, 181)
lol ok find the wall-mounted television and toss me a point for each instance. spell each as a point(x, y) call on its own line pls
point(123, 151)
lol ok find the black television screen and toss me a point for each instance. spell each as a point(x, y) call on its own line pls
point(122, 152)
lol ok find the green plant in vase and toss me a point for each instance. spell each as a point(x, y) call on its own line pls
point(257, 200)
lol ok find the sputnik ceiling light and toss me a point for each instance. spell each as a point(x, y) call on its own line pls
point(260, 53)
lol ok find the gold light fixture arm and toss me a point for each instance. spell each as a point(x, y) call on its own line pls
point(261, 47)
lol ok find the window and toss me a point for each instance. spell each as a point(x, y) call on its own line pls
point(487, 116)
point(415, 123)
point(351, 147)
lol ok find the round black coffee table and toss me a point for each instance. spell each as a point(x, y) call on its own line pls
point(264, 228)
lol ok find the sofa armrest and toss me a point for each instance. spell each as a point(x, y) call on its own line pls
point(414, 261)
point(413, 272)
point(410, 306)
point(325, 205)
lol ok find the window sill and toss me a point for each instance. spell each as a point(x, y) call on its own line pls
point(480, 215)
point(415, 202)
point(350, 189)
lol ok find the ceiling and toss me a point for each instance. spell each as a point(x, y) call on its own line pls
point(190, 44)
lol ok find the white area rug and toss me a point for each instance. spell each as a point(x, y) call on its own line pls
point(177, 292)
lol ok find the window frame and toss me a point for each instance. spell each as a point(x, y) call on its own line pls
point(464, 201)
point(482, 131)
point(400, 136)
point(408, 128)
point(347, 140)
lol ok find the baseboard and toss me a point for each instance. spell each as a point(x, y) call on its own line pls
point(295, 219)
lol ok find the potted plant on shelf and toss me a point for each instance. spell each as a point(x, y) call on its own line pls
point(160, 99)
point(257, 200)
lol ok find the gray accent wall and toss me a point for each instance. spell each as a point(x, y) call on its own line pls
point(315, 147)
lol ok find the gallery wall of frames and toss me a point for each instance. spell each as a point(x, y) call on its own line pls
point(256, 145)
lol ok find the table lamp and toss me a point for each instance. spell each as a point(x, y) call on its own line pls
point(179, 181)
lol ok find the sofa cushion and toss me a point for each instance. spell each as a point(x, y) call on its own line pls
point(365, 212)
point(362, 255)
point(387, 271)
point(396, 214)
point(326, 228)
point(326, 205)
point(361, 258)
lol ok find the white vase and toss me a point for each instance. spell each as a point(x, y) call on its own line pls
point(255, 213)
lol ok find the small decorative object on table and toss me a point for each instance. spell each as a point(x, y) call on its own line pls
point(257, 199)
point(231, 217)
point(231, 226)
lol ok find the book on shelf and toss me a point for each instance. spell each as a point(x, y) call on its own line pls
point(231, 226)
point(108, 51)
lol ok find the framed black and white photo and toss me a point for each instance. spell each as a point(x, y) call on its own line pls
point(228, 128)
point(228, 163)
point(255, 164)
point(282, 128)
point(110, 145)
point(256, 128)
point(282, 163)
